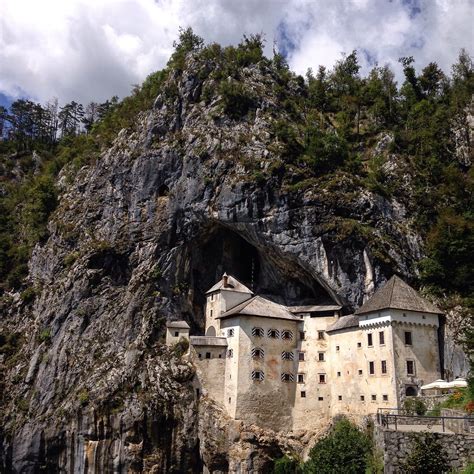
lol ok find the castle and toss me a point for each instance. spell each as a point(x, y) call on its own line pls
point(291, 368)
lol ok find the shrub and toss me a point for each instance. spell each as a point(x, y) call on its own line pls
point(28, 295)
point(45, 335)
point(83, 397)
point(427, 456)
point(180, 348)
point(344, 449)
point(414, 406)
point(287, 465)
point(237, 100)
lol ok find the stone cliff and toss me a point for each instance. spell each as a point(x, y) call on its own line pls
point(139, 234)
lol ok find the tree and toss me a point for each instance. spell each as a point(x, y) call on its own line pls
point(344, 449)
point(426, 457)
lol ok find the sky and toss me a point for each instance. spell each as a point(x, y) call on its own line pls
point(87, 50)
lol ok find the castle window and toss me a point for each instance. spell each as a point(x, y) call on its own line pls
point(286, 355)
point(176, 333)
point(200, 356)
point(301, 356)
point(339, 397)
point(408, 339)
point(286, 334)
point(287, 377)
point(302, 335)
point(322, 378)
point(303, 394)
point(374, 398)
point(410, 367)
point(369, 340)
point(258, 353)
point(258, 332)
point(320, 399)
point(273, 333)
point(384, 366)
point(385, 398)
point(230, 353)
point(300, 378)
point(320, 335)
point(258, 375)
point(230, 333)
point(337, 348)
point(220, 356)
point(362, 398)
point(371, 368)
point(208, 355)
point(339, 374)
point(359, 344)
point(212, 296)
point(230, 399)
point(360, 371)
point(211, 313)
point(381, 338)
point(321, 356)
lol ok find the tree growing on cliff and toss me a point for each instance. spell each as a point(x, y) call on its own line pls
point(344, 449)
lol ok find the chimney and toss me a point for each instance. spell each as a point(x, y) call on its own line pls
point(225, 280)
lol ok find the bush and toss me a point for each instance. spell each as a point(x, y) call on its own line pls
point(427, 456)
point(45, 335)
point(83, 397)
point(414, 406)
point(345, 449)
point(180, 348)
point(287, 465)
point(237, 100)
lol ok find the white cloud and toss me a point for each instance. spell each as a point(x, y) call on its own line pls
point(93, 49)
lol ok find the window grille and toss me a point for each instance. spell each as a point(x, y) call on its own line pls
point(258, 332)
point(273, 333)
point(258, 353)
point(258, 375)
point(286, 334)
point(230, 353)
point(285, 355)
point(287, 377)
point(230, 333)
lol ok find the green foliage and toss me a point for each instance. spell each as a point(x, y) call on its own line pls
point(45, 336)
point(10, 343)
point(83, 397)
point(426, 457)
point(28, 295)
point(344, 449)
point(469, 469)
point(237, 100)
point(414, 406)
point(287, 465)
point(181, 347)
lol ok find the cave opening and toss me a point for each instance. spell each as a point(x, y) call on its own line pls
point(265, 271)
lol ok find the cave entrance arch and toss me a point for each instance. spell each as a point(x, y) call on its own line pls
point(410, 391)
point(218, 249)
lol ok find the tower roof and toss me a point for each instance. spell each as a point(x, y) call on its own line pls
point(232, 284)
point(396, 294)
point(259, 306)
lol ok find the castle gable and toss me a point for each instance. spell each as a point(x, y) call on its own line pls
point(229, 283)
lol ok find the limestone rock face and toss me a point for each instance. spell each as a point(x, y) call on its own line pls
point(138, 237)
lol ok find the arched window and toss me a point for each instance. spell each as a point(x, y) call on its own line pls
point(211, 331)
point(286, 355)
point(286, 334)
point(410, 391)
point(258, 332)
point(258, 353)
point(273, 333)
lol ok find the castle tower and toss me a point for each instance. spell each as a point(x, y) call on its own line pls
point(225, 294)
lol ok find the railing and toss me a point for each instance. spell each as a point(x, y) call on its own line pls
point(398, 417)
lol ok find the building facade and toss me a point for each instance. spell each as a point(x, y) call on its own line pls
point(292, 368)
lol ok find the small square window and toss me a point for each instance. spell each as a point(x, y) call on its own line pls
point(369, 340)
point(362, 398)
point(385, 398)
point(230, 333)
point(374, 398)
point(321, 356)
point(208, 355)
point(337, 348)
point(301, 356)
point(359, 344)
point(302, 335)
point(382, 338)
point(322, 378)
point(320, 399)
point(339, 374)
point(360, 371)
point(220, 356)
point(300, 378)
point(339, 397)
point(303, 394)
point(176, 333)
point(371, 368)
point(408, 338)
point(320, 335)
point(200, 356)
